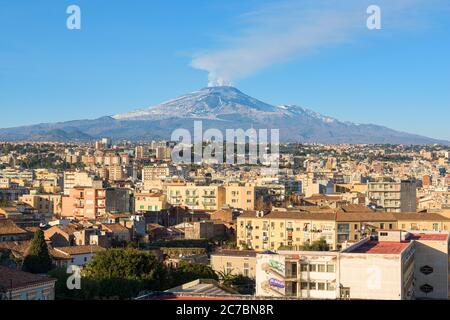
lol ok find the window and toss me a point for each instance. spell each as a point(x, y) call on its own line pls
point(303, 285)
point(312, 267)
point(331, 287)
point(321, 268)
point(381, 226)
point(321, 286)
point(246, 270)
point(356, 237)
point(355, 227)
point(312, 285)
point(304, 267)
point(330, 268)
point(426, 270)
point(390, 226)
point(426, 288)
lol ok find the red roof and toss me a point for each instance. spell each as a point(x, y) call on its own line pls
point(430, 236)
point(383, 247)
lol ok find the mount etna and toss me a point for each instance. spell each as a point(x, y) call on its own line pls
point(217, 107)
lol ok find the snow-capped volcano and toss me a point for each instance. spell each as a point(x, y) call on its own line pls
point(207, 103)
point(222, 108)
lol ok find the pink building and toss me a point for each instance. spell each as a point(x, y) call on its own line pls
point(84, 203)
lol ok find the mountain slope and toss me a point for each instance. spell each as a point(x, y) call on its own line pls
point(221, 108)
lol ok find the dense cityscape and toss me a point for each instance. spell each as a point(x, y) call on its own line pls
point(121, 220)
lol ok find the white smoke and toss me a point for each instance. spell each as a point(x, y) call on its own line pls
point(279, 32)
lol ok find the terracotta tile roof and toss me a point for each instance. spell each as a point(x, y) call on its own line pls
point(381, 247)
point(354, 208)
point(15, 279)
point(300, 215)
point(8, 227)
point(429, 237)
point(19, 247)
point(427, 216)
point(365, 216)
point(79, 249)
point(114, 227)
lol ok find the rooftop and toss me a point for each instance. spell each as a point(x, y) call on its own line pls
point(15, 279)
point(377, 247)
point(236, 253)
point(429, 236)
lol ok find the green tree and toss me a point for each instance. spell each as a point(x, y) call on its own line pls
point(318, 245)
point(187, 272)
point(123, 273)
point(38, 259)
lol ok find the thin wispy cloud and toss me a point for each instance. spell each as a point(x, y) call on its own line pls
point(279, 32)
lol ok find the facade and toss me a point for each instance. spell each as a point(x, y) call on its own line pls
point(44, 203)
point(74, 179)
point(393, 196)
point(275, 230)
point(79, 255)
point(149, 202)
point(84, 203)
point(196, 197)
point(118, 200)
point(19, 285)
point(397, 265)
point(240, 196)
point(235, 262)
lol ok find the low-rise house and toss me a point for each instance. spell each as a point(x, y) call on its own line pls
point(9, 231)
point(235, 262)
point(117, 232)
point(19, 285)
point(79, 255)
point(61, 235)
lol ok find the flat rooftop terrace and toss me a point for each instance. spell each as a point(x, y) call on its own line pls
point(380, 247)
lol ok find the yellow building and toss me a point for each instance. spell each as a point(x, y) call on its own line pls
point(150, 202)
point(235, 262)
point(196, 197)
point(279, 229)
point(240, 196)
point(293, 229)
point(44, 203)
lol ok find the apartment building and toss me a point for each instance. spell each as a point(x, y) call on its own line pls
point(150, 174)
point(196, 197)
point(393, 196)
point(74, 179)
point(240, 196)
point(84, 203)
point(116, 173)
point(259, 231)
point(150, 202)
point(44, 203)
point(396, 265)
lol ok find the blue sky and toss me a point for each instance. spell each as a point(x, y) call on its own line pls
point(133, 54)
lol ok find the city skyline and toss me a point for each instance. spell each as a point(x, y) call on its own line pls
point(135, 58)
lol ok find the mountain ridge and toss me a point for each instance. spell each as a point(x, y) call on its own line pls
point(222, 108)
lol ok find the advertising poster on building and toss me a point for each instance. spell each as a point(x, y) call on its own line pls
point(271, 274)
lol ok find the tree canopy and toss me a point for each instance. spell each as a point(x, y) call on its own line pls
point(38, 259)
